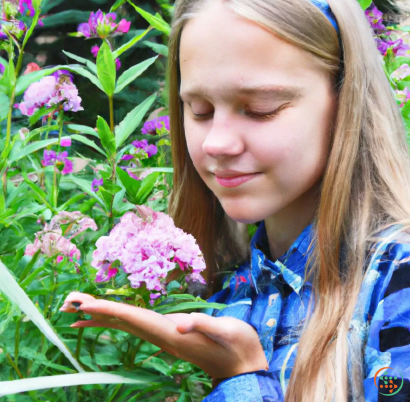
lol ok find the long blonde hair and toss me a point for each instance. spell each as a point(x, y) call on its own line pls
point(365, 187)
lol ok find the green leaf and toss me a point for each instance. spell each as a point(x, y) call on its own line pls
point(41, 194)
point(4, 106)
point(65, 17)
point(116, 5)
point(157, 47)
point(33, 119)
point(85, 73)
point(8, 79)
point(188, 306)
point(72, 200)
point(106, 69)
point(83, 129)
point(19, 153)
point(106, 136)
point(12, 290)
point(365, 4)
point(38, 131)
point(91, 66)
point(155, 20)
point(131, 74)
point(131, 185)
point(147, 185)
point(132, 120)
point(129, 44)
point(65, 380)
point(85, 185)
point(88, 142)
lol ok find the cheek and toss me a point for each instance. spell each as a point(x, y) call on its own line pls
point(194, 137)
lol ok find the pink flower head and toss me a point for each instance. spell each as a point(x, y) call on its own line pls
point(50, 158)
point(143, 144)
point(123, 26)
point(148, 247)
point(151, 126)
point(31, 67)
point(26, 8)
point(65, 142)
point(96, 184)
point(95, 50)
point(51, 240)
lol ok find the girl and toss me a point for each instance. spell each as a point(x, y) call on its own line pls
point(281, 115)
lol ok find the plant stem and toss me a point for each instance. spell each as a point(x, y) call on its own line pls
point(115, 392)
point(14, 366)
point(55, 178)
point(111, 105)
point(79, 339)
point(17, 342)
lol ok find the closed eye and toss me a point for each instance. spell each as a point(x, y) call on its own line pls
point(254, 115)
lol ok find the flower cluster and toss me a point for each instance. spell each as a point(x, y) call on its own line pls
point(103, 25)
point(148, 247)
point(96, 184)
point(51, 157)
point(151, 126)
point(383, 36)
point(56, 89)
point(95, 49)
point(51, 240)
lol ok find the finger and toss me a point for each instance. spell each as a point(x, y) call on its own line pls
point(75, 301)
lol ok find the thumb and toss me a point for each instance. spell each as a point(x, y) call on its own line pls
point(213, 327)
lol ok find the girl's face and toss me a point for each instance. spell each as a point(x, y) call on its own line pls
point(253, 104)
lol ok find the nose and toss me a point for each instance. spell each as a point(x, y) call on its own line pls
point(223, 138)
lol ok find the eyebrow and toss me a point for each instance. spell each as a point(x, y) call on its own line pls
point(276, 92)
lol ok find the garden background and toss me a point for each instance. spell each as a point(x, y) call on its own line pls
point(84, 148)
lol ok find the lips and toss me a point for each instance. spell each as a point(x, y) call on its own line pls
point(235, 181)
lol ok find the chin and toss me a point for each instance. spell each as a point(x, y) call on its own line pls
point(243, 214)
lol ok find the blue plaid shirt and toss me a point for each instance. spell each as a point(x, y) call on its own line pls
point(272, 297)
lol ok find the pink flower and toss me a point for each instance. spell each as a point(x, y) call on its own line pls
point(59, 259)
point(123, 26)
point(65, 142)
point(94, 50)
point(31, 67)
point(51, 240)
point(148, 247)
point(402, 96)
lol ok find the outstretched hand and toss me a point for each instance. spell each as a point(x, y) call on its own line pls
point(221, 346)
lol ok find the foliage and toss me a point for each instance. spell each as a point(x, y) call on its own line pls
point(85, 145)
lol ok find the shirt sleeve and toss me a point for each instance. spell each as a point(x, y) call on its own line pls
point(387, 352)
point(259, 386)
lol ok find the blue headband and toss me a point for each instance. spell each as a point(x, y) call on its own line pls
point(323, 6)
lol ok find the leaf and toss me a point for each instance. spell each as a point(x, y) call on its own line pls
point(66, 380)
point(4, 106)
point(132, 120)
point(83, 129)
point(157, 47)
point(106, 69)
point(365, 4)
point(65, 17)
point(40, 113)
point(41, 194)
point(88, 142)
point(85, 185)
point(17, 154)
point(131, 185)
point(188, 306)
point(106, 136)
point(72, 200)
point(85, 73)
point(131, 74)
point(92, 67)
point(116, 5)
point(38, 131)
point(155, 20)
point(12, 290)
point(8, 79)
point(129, 44)
point(147, 185)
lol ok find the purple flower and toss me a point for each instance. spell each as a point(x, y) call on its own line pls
point(150, 127)
point(143, 144)
point(94, 50)
point(96, 184)
point(117, 63)
point(50, 158)
point(127, 157)
point(102, 25)
point(374, 16)
point(2, 68)
point(26, 8)
point(63, 75)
